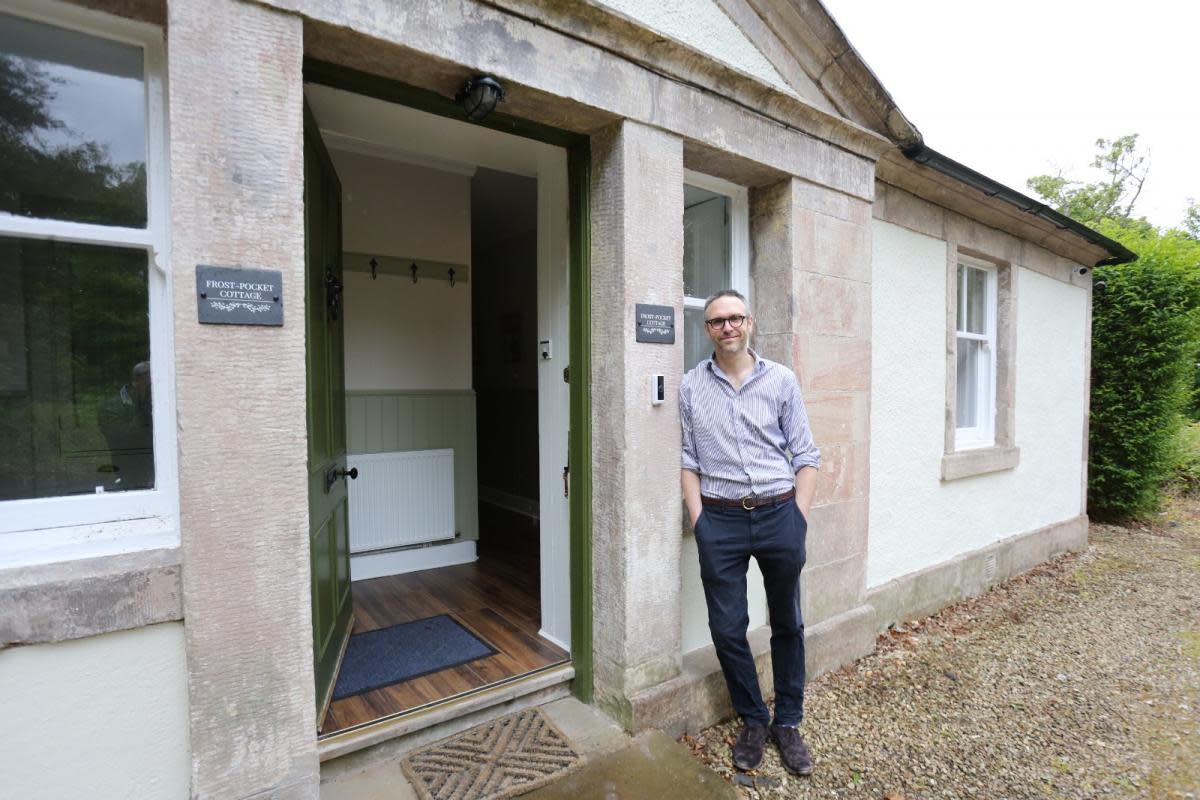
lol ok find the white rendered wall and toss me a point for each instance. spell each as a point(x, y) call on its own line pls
point(917, 520)
point(403, 336)
point(701, 24)
point(105, 716)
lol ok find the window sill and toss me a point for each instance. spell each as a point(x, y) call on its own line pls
point(981, 461)
point(89, 596)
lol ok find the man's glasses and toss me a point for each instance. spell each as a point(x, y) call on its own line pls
point(717, 323)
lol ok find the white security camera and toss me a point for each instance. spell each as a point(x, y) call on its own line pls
point(1082, 271)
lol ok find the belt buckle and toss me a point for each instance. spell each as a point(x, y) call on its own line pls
point(745, 506)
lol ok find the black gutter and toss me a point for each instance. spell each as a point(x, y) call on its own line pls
point(922, 154)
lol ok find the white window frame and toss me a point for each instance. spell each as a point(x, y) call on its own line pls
point(38, 529)
point(739, 233)
point(984, 434)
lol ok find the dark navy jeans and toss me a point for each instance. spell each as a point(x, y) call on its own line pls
point(726, 538)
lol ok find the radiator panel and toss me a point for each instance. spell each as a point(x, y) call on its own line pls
point(401, 499)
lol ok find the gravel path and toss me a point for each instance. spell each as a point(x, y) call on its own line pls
point(1080, 679)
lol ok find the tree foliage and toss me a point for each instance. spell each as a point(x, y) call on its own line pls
point(1112, 197)
point(1145, 335)
point(1191, 219)
point(1145, 331)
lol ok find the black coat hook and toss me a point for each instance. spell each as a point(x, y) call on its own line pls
point(450, 273)
point(413, 270)
point(374, 269)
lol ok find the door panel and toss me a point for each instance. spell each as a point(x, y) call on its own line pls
point(328, 511)
point(557, 478)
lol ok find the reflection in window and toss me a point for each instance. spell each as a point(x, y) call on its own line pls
point(72, 125)
point(75, 383)
point(706, 264)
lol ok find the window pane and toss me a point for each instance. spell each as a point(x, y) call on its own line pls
point(706, 242)
point(75, 413)
point(696, 344)
point(72, 125)
point(975, 302)
point(971, 373)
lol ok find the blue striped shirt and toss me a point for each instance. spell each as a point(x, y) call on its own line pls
point(745, 442)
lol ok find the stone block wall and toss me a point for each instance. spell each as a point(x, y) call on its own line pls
point(237, 183)
point(637, 257)
point(811, 275)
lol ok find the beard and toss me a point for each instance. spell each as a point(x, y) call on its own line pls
point(734, 346)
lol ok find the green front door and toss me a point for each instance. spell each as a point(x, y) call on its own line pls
point(329, 539)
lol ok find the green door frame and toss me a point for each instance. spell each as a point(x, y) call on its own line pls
point(578, 147)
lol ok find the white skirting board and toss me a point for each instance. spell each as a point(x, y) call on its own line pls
point(395, 562)
point(555, 640)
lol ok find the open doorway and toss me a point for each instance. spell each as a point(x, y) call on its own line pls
point(454, 292)
point(504, 369)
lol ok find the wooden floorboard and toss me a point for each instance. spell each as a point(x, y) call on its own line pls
point(496, 597)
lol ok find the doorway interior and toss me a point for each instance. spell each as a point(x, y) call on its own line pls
point(454, 284)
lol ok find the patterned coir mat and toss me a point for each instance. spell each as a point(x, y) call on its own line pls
point(496, 760)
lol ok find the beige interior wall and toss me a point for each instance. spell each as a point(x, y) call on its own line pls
point(400, 335)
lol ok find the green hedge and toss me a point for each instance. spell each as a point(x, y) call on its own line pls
point(1144, 342)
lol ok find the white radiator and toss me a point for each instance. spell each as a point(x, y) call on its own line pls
point(401, 499)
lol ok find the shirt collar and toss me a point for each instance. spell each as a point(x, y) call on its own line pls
point(712, 366)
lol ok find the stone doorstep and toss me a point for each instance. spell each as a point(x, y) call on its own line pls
point(697, 698)
point(374, 775)
point(389, 739)
point(652, 766)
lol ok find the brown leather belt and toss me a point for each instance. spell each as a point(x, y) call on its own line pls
point(749, 503)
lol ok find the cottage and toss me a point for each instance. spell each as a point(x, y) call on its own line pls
point(305, 350)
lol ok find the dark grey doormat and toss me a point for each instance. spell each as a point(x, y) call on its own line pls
point(389, 655)
point(499, 759)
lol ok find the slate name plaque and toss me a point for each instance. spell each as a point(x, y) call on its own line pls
point(655, 324)
point(232, 296)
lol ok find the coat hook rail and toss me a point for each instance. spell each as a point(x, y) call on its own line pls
point(413, 270)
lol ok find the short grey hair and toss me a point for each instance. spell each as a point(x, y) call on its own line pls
point(715, 296)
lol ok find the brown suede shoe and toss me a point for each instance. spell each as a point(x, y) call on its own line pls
point(748, 749)
point(792, 749)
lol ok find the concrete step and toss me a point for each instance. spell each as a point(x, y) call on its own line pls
point(651, 767)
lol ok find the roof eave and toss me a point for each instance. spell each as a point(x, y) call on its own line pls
point(921, 153)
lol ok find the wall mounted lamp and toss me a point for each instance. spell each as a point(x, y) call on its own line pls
point(479, 96)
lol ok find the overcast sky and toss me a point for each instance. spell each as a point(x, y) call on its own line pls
point(1023, 88)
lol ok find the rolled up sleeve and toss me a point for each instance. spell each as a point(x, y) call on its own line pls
point(688, 459)
point(793, 421)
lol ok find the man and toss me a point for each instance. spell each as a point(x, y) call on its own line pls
point(749, 472)
point(126, 421)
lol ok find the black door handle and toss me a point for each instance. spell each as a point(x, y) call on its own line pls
point(333, 293)
point(334, 473)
